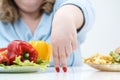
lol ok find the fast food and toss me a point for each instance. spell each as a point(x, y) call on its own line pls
point(112, 58)
point(99, 59)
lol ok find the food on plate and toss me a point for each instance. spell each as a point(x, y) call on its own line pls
point(3, 56)
point(117, 50)
point(21, 48)
point(43, 48)
point(112, 58)
point(3, 49)
point(99, 59)
point(21, 53)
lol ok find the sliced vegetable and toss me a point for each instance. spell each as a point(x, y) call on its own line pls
point(115, 56)
point(21, 48)
point(20, 53)
point(2, 49)
point(43, 48)
point(3, 56)
point(17, 63)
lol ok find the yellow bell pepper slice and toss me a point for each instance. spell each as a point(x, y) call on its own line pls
point(43, 48)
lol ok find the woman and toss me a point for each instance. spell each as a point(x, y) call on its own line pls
point(63, 23)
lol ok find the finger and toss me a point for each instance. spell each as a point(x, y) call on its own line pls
point(68, 50)
point(74, 42)
point(56, 59)
point(63, 59)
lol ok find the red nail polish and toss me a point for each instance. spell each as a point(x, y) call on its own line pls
point(57, 69)
point(64, 69)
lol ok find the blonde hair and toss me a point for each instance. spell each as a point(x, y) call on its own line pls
point(9, 10)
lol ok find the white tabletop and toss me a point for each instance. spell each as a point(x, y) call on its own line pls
point(74, 73)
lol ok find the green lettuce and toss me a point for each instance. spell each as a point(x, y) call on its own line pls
point(17, 63)
point(115, 56)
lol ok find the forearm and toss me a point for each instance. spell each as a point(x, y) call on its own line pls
point(70, 14)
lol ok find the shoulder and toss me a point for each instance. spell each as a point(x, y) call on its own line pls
point(3, 34)
point(4, 27)
point(2, 23)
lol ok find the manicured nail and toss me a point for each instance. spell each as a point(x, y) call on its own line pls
point(64, 69)
point(57, 69)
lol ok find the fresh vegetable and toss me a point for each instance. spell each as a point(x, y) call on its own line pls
point(3, 56)
point(2, 49)
point(21, 48)
point(20, 53)
point(17, 63)
point(43, 48)
point(116, 57)
point(42, 64)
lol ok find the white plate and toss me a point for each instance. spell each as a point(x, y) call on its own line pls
point(106, 67)
point(20, 69)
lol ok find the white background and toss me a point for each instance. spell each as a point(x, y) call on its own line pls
point(105, 33)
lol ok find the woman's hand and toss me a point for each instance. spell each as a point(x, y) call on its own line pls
point(64, 41)
point(64, 35)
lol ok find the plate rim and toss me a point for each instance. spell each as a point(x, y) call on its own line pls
point(20, 69)
point(105, 67)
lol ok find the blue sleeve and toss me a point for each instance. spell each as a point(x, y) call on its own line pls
point(88, 13)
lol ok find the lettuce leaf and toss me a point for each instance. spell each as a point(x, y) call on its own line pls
point(17, 63)
point(115, 56)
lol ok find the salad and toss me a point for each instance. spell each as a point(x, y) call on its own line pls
point(20, 53)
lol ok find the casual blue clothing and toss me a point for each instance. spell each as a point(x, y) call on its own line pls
point(20, 31)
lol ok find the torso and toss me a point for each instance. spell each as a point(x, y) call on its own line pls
point(32, 24)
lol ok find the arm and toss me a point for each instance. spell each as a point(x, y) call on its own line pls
point(71, 14)
point(64, 36)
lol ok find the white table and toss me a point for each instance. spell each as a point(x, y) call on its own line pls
point(74, 73)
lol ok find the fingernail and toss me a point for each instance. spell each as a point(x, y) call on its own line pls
point(57, 69)
point(64, 69)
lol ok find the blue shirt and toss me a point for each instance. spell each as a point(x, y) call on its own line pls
point(20, 30)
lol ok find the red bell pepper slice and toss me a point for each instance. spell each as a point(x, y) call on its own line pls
point(3, 49)
point(21, 48)
point(3, 56)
